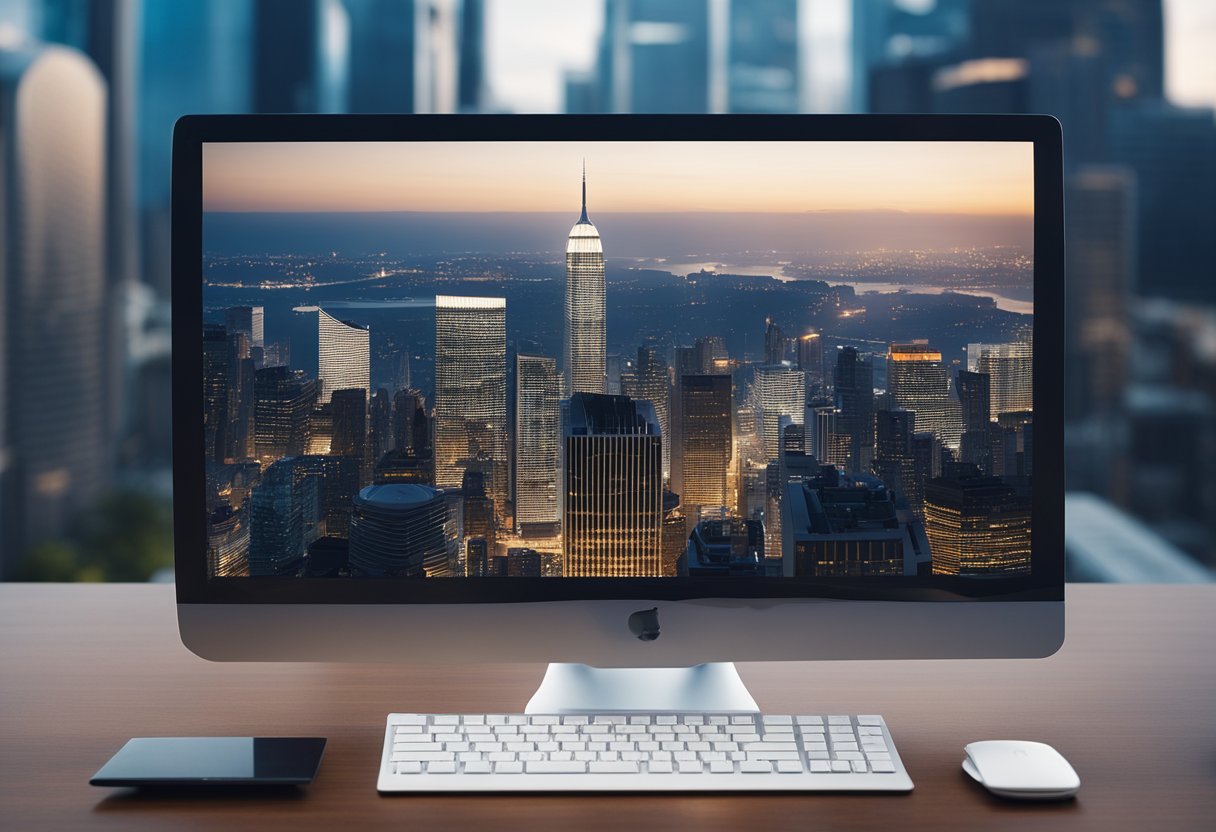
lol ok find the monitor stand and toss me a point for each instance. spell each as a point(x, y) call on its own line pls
point(578, 688)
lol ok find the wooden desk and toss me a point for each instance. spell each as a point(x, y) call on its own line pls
point(1130, 700)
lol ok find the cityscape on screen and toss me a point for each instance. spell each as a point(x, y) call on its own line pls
point(790, 360)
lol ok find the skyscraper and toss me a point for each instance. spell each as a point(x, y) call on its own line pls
point(774, 343)
point(398, 531)
point(537, 434)
point(349, 409)
point(974, 398)
point(651, 383)
point(249, 320)
point(977, 526)
point(1010, 368)
point(282, 404)
point(894, 463)
point(470, 388)
point(854, 387)
point(227, 542)
point(703, 458)
point(281, 506)
point(215, 392)
point(411, 427)
point(586, 350)
point(810, 361)
point(53, 429)
point(916, 380)
point(613, 488)
point(338, 353)
point(778, 390)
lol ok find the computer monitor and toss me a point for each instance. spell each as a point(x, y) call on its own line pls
point(627, 391)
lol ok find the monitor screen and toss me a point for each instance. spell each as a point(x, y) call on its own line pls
point(732, 361)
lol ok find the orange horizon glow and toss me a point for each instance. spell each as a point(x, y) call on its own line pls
point(988, 178)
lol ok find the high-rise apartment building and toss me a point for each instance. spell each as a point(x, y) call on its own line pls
point(338, 353)
point(537, 437)
point(613, 488)
point(586, 348)
point(916, 381)
point(470, 387)
point(703, 459)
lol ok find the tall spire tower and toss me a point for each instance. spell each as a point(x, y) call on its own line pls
point(585, 353)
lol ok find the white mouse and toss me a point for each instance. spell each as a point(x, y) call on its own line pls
point(1021, 770)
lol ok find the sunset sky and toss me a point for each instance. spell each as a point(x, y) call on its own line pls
point(992, 178)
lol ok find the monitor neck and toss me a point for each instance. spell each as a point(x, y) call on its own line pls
point(578, 688)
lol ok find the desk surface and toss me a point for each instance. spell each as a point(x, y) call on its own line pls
point(1130, 700)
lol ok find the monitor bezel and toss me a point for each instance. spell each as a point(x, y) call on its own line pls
point(194, 586)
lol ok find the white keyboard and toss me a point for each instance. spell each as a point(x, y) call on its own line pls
point(675, 752)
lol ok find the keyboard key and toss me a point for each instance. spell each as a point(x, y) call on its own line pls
point(789, 766)
point(871, 730)
point(778, 729)
point(621, 767)
point(820, 766)
point(555, 767)
point(410, 729)
point(409, 719)
point(869, 719)
point(586, 756)
point(818, 755)
point(501, 757)
point(689, 766)
point(659, 767)
point(844, 746)
point(546, 720)
point(441, 767)
point(859, 766)
point(777, 720)
point(508, 768)
point(477, 767)
point(772, 755)
point(417, 746)
point(839, 720)
point(809, 720)
point(742, 719)
point(755, 767)
point(849, 755)
point(770, 746)
point(882, 766)
point(422, 756)
point(877, 755)
point(409, 768)
point(841, 766)
point(721, 767)
point(445, 719)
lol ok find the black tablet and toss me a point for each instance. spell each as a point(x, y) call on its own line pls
point(220, 761)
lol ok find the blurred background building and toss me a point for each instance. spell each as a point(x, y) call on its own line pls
point(84, 205)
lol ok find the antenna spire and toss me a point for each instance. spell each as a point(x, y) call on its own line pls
point(583, 218)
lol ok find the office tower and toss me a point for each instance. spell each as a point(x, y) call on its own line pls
point(349, 410)
point(703, 459)
point(251, 321)
point(847, 525)
point(328, 557)
point(470, 386)
point(338, 479)
point(674, 533)
point(397, 531)
point(586, 350)
point(648, 39)
point(411, 427)
point(894, 462)
point(891, 46)
point(477, 509)
point(778, 390)
point(282, 404)
point(977, 526)
point(283, 506)
point(338, 353)
point(523, 563)
point(774, 343)
point(1173, 154)
point(725, 547)
point(613, 488)
point(215, 392)
point(1100, 215)
point(792, 464)
point(651, 382)
point(829, 444)
point(240, 396)
point(54, 441)
point(537, 434)
point(404, 376)
point(301, 56)
point(403, 466)
point(762, 57)
point(1010, 368)
point(916, 380)
point(810, 361)
point(227, 543)
point(854, 388)
point(380, 424)
point(476, 558)
point(974, 398)
point(1012, 444)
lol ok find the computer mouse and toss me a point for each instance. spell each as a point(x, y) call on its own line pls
point(1021, 770)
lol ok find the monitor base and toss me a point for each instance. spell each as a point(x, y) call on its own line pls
point(577, 688)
